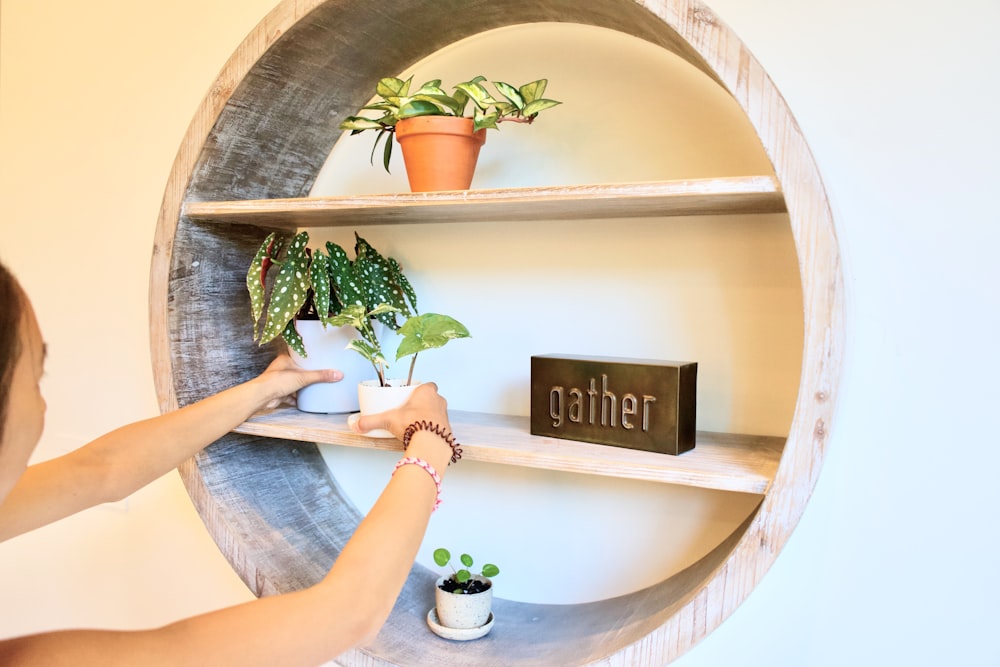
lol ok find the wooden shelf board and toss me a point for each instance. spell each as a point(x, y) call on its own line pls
point(710, 196)
point(722, 461)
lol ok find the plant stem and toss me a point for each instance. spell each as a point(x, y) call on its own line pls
point(409, 378)
point(517, 119)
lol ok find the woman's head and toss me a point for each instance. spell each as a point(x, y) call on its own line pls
point(11, 312)
point(22, 360)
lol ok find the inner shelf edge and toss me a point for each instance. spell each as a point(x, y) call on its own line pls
point(720, 461)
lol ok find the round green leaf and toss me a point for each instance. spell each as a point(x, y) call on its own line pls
point(442, 556)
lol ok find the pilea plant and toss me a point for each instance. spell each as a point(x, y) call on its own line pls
point(461, 580)
point(330, 287)
point(520, 105)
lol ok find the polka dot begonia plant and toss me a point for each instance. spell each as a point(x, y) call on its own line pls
point(328, 286)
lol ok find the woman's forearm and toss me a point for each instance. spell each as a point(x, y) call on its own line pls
point(119, 463)
point(309, 627)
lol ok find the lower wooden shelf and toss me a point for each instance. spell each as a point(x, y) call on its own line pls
point(721, 461)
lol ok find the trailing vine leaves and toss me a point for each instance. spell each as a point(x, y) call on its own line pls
point(521, 104)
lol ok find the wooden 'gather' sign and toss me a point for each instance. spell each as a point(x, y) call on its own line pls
point(636, 403)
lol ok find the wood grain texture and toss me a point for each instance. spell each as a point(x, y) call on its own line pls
point(272, 504)
point(722, 461)
point(715, 196)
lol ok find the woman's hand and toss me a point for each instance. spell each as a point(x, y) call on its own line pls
point(283, 377)
point(425, 403)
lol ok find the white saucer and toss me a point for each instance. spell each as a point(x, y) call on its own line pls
point(458, 634)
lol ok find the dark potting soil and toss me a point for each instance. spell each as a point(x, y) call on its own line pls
point(469, 587)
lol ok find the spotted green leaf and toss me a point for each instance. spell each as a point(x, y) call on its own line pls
point(382, 281)
point(346, 289)
point(291, 287)
point(319, 279)
point(255, 281)
point(292, 337)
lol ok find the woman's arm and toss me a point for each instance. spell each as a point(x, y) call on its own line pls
point(117, 464)
point(307, 627)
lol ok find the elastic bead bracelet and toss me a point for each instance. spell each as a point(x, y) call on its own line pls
point(422, 425)
point(410, 460)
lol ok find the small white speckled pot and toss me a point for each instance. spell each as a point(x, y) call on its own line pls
point(459, 610)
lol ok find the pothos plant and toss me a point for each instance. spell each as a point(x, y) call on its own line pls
point(338, 291)
point(519, 105)
point(462, 580)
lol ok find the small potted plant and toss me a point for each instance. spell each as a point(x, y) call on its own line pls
point(464, 601)
point(353, 298)
point(440, 142)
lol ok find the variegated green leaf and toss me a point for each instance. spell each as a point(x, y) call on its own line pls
point(477, 93)
point(391, 86)
point(293, 339)
point(368, 351)
point(290, 289)
point(484, 121)
point(380, 280)
point(511, 93)
point(255, 282)
point(417, 107)
point(319, 279)
point(432, 87)
point(359, 124)
point(353, 315)
point(539, 105)
point(346, 289)
point(428, 331)
point(404, 283)
point(533, 91)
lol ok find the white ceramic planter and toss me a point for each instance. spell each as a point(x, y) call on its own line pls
point(326, 348)
point(373, 399)
point(462, 611)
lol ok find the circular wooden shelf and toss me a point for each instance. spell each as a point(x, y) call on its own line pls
point(273, 506)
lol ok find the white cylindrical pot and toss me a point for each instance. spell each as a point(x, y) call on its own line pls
point(326, 347)
point(461, 610)
point(373, 399)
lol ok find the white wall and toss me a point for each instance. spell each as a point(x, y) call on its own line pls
point(720, 290)
point(891, 561)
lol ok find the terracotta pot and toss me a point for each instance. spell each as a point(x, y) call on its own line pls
point(373, 398)
point(440, 152)
point(463, 610)
point(326, 348)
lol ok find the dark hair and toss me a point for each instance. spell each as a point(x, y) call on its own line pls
point(11, 312)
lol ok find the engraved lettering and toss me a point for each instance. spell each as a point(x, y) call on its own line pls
point(575, 410)
point(629, 402)
point(592, 393)
point(646, 400)
point(609, 401)
point(556, 406)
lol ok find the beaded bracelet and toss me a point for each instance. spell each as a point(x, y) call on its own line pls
point(410, 460)
point(422, 425)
